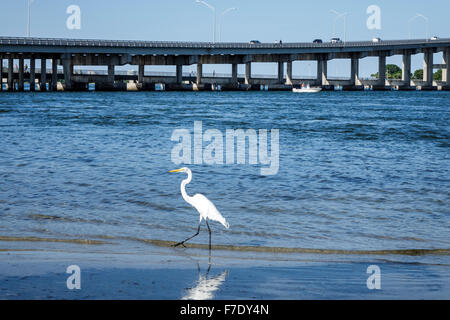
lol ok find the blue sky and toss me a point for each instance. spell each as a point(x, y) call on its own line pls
point(267, 21)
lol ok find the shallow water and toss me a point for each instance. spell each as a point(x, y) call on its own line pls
point(165, 273)
point(358, 171)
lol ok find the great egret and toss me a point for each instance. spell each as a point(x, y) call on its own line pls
point(204, 206)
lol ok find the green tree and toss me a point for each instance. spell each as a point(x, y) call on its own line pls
point(438, 75)
point(418, 74)
point(392, 72)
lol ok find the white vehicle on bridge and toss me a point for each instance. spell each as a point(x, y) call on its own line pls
point(376, 40)
point(336, 40)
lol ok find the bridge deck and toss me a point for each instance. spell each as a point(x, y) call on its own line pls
point(19, 44)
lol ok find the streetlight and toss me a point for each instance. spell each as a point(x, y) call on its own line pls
point(220, 21)
point(29, 17)
point(338, 16)
point(418, 15)
point(214, 13)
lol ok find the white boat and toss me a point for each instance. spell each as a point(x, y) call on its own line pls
point(307, 89)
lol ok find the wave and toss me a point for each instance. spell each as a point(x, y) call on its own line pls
point(411, 252)
point(36, 239)
point(242, 248)
point(66, 219)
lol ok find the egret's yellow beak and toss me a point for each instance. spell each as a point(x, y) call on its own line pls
point(177, 170)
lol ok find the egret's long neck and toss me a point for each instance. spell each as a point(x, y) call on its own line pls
point(186, 181)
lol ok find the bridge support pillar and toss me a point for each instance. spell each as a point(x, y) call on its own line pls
point(280, 72)
point(289, 73)
point(1, 73)
point(248, 72)
point(322, 66)
point(199, 73)
point(54, 74)
point(32, 74)
point(428, 68)
point(141, 73)
point(111, 75)
point(354, 73)
point(10, 73)
point(381, 83)
point(179, 73)
point(234, 74)
point(68, 72)
point(445, 70)
point(406, 69)
point(20, 86)
point(43, 74)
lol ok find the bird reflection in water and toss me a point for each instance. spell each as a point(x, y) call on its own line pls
point(206, 285)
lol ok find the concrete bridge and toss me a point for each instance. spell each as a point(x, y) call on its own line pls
point(77, 52)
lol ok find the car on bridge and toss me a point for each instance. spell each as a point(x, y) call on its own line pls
point(376, 40)
point(336, 40)
point(317, 41)
point(254, 42)
point(434, 38)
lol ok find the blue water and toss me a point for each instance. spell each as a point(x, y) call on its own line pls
point(359, 171)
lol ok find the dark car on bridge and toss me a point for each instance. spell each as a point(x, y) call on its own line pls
point(317, 41)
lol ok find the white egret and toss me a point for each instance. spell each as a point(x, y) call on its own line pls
point(204, 206)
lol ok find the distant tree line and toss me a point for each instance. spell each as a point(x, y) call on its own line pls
point(395, 72)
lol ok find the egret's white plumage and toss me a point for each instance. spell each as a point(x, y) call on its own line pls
point(204, 206)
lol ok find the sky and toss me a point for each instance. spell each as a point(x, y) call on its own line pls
point(266, 21)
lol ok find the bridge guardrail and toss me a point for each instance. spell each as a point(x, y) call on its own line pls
point(207, 45)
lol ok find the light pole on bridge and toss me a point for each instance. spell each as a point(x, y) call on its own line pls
point(29, 18)
point(220, 21)
point(338, 16)
point(419, 15)
point(215, 18)
point(214, 13)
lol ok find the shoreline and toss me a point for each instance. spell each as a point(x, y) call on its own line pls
point(163, 273)
point(240, 248)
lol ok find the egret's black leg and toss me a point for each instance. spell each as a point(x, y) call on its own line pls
point(209, 230)
point(182, 242)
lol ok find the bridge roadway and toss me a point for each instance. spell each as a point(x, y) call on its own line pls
point(85, 52)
